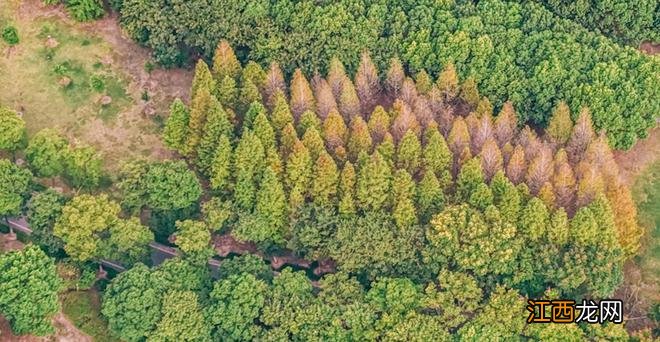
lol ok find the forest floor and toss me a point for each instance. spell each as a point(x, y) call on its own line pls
point(54, 48)
point(640, 169)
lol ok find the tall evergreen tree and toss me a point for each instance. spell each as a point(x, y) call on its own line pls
point(430, 196)
point(395, 77)
point(176, 127)
point(202, 80)
point(199, 109)
point(409, 153)
point(325, 180)
point(227, 93)
point(298, 174)
point(248, 163)
point(437, 157)
point(271, 207)
point(308, 120)
point(281, 114)
point(336, 76)
point(560, 125)
point(359, 139)
point(314, 143)
point(349, 103)
point(404, 211)
point(263, 130)
point(468, 179)
point(220, 175)
point(217, 125)
point(423, 82)
point(302, 98)
point(367, 83)
point(379, 124)
point(448, 81)
point(225, 62)
point(469, 92)
point(334, 130)
point(347, 183)
point(373, 184)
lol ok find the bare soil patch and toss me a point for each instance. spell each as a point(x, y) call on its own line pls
point(634, 161)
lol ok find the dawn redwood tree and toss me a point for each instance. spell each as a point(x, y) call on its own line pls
point(448, 81)
point(325, 179)
point(336, 76)
point(347, 180)
point(374, 184)
point(225, 62)
point(14, 185)
point(175, 132)
point(221, 165)
point(335, 132)
point(394, 77)
point(349, 102)
point(359, 139)
point(217, 125)
point(248, 166)
point(379, 124)
point(302, 98)
point(409, 153)
point(273, 84)
point(308, 120)
point(202, 80)
point(560, 124)
point(28, 291)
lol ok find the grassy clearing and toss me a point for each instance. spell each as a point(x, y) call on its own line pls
point(58, 75)
point(83, 309)
point(647, 196)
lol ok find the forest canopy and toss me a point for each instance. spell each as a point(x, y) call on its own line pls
point(514, 51)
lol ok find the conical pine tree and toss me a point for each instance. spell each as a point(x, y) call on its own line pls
point(347, 183)
point(336, 76)
point(430, 196)
point(505, 124)
point(314, 143)
point(560, 125)
point(437, 157)
point(423, 82)
point(395, 77)
point(334, 130)
point(367, 83)
point(359, 139)
point(176, 127)
point(459, 136)
point(308, 120)
point(273, 85)
point(325, 99)
point(468, 179)
point(324, 181)
point(470, 93)
point(248, 94)
point(302, 98)
point(404, 212)
point(221, 166)
point(281, 114)
point(387, 149)
point(225, 62)
point(288, 139)
point(448, 81)
point(199, 109)
point(263, 130)
point(349, 103)
point(271, 207)
point(409, 153)
point(217, 125)
point(255, 109)
point(248, 167)
point(373, 184)
point(379, 124)
point(227, 93)
point(298, 174)
point(254, 73)
point(202, 79)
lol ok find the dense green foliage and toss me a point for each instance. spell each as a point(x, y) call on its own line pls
point(516, 51)
point(627, 21)
point(82, 10)
point(28, 291)
point(12, 127)
point(14, 185)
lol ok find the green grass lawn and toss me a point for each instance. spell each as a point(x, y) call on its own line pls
point(83, 309)
point(647, 196)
